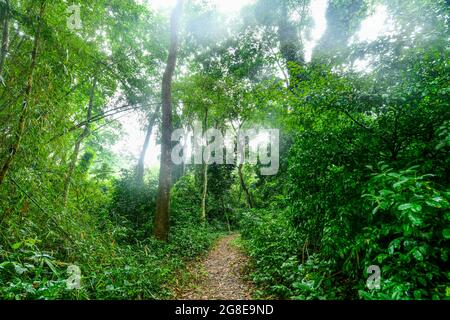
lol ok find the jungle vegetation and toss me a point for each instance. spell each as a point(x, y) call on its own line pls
point(364, 172)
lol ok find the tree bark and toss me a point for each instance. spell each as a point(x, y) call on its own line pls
point(205, 191)
point(225, 213)
point(76, 151)
point(205, 173)
point(161, 226)
point(5, 39)
point(28, 89)
point(141, 162)
point(244, 187)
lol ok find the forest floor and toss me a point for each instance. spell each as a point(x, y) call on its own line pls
point(220, 276)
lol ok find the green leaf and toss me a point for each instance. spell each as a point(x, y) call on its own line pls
point(433, 204)
point(415, 219)
point(405, 206)
point(16, 245)
point(414, 207)
point(399, 184)
point(417, 254)
point(444, 256)
point(393, 245)
point(19, 269)
point(386, 192)
point(375, 210)
point(446, 233)
point(51, 266)
point(381, 257)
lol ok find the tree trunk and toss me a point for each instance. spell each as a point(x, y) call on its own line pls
point(5, 39)
point(23, 113)
point(76, 151)
point(290, 47)
point(161, 227)
point(205, 174)
point(342, 17)
point(225, 213)
point(141, 162)
point(244, 187)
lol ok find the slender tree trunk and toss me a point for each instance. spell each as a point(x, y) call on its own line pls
point(161, 227)
point(205, 191)
point(244, 187)
point(23, 113)
point(225, 213)
point(205, 173)
point(141, 162)
point(5, 39)
point(76, 151)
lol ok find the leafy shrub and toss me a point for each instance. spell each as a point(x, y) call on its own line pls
point(273, 246)
point(114, 249)
point(406, 233)
point(409, 231)
point(109, 271)
point(132, 206)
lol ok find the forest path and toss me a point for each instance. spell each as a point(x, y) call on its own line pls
point(220, 275)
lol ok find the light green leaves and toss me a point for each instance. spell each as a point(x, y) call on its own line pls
point(16, 245)
point(415, 219)
point(418, 253)
point(398, 184)
point(414, 207)
point(446, 233)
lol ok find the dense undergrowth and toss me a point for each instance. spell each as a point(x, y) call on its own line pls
point(116, 258)
point(406, 234)
point(364, 183)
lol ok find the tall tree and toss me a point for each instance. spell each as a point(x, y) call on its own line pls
point(4, 15)
point(148, 135)
point(244, 187)
point(290, 45)
point(342, 19)
point(205, 172)
point(76, 151)
point(277, 15)
point(161, 227)
point(26, 100)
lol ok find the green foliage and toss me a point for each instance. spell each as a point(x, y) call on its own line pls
point(273, 245)
point(334, 216)
point(364, 154)
point(407, 234)
point(113, 248)
point(186, 199)
point(138, 271)
point(131, 207)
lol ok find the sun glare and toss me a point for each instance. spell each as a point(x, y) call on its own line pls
point(371, 28)
point(224, 6)
point(374, 26)
point(318, 13)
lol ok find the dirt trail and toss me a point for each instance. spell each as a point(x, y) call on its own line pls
point(220, 275)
